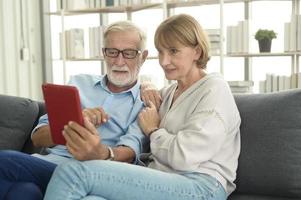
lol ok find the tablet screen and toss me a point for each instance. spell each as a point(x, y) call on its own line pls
point(63, 105)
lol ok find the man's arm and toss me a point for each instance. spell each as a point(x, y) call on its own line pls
point(42, 137)
point(124, 154)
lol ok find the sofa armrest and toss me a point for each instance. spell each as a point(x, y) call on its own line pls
point(18, 117)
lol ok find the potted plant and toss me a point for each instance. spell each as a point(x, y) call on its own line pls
point(264, 38)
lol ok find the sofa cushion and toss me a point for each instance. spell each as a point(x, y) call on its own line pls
point(16, 121)
point(257, 197)
point(270, 159)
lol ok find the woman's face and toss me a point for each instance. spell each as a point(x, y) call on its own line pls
point(179, 61)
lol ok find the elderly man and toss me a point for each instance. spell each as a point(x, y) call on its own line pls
point(110, 102)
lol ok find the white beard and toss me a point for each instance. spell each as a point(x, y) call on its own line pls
point(124, 79)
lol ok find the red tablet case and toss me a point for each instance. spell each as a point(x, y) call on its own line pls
point(63, 105)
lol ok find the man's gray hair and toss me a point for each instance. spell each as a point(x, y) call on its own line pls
point(122, 26)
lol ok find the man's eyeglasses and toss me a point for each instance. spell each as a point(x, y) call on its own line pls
point(126, 53)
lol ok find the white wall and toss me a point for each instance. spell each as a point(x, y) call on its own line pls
point(20, 77)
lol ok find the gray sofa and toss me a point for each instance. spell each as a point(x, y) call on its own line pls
point(270, 160)
point(18, 116)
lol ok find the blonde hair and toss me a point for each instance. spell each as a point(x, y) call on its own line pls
point(123, 26)
point(185, 30)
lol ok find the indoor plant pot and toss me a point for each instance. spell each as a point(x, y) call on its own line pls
point(264, 38)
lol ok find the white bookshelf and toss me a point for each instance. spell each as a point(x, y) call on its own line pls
point(168, 9)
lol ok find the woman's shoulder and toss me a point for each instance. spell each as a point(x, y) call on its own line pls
point(214, 82)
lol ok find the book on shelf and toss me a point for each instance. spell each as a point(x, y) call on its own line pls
point(246, 36)
point(95, 41)
point(281, 83)
point(298, 85)
point(213, 32)
point(268, 83)
point(262, 86)
point(238, 37)
point(294, 81)
point(299, 33)
point(292, 34)
point(75, 4)
point(74, 44)
point(287, 82)
point(274, 83)
point(228, 40)
point(287, 28)
point(234, 42)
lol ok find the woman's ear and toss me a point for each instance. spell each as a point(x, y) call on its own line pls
point(198, 52)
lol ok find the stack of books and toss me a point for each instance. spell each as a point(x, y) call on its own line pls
point(215, 39)
point(241, 87)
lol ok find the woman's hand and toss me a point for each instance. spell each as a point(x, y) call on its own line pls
point(151, 95)
point(149, 119)
point(96, 116)
point(149, 92)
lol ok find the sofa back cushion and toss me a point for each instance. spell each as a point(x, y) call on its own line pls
point(270, 159)
point(17, 118)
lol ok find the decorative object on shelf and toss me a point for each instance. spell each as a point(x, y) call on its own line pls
point(264, 38)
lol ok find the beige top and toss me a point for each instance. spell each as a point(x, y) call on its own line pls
point(201, 131)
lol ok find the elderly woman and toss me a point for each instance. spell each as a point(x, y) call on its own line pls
point(195, 138)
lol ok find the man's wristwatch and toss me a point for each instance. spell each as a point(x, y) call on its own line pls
point(111, 154)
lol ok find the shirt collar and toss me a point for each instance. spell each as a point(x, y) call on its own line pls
point(102, 81)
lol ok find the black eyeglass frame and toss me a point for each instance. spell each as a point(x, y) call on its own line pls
point(123, 52)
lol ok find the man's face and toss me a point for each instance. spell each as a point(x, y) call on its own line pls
point(122, 71)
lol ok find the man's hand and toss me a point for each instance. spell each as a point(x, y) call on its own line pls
point(149, 119)
point(150, 93)
point(96, 116)
point(84, 143)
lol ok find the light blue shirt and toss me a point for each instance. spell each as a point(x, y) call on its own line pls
point(122, 127)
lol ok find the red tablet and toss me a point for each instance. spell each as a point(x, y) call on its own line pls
point(63, 105)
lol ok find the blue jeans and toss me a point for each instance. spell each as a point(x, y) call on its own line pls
point(109, 180)
point(24, 175)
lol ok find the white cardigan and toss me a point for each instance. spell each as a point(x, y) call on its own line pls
point(200, 132)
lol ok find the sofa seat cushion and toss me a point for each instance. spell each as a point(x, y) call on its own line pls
point(16, 121)
point(270, 159)
point(258, 197)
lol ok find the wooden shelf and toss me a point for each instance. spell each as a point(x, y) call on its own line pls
point(178, 4)
point(262, 54)
point(109, 9)
point(133, 8)
point(227, 55)
point(98, 59)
